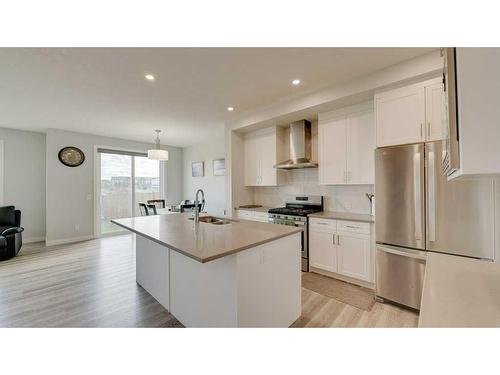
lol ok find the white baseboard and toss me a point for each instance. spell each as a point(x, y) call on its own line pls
point(33, 239)
point(68, 240)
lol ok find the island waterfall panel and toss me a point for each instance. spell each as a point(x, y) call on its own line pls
point(152, 269)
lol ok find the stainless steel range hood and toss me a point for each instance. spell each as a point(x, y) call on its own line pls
point(300, 147)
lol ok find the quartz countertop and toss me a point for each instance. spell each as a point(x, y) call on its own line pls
point(460, 292)
point(343, 216)
point(204, 242)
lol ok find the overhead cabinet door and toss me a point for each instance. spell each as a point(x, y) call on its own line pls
point(251, 162)
point(400, 116)
point(435, 124)
point(346, 139)
point(261, 150)
point(332, 152)
point(361, 148)
point(266, 153)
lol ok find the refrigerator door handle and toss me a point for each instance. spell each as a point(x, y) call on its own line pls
point(431, 194)
point(417, 195)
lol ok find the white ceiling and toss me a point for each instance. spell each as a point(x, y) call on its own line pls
point(103, 91)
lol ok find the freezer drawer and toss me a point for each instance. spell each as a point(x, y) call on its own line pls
point(400, 275)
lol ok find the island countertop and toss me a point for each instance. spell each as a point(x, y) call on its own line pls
point(460, 292)
point(204, 242)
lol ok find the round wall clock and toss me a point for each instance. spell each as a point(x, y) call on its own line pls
point(71, 156)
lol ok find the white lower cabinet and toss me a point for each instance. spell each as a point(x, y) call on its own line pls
point(261, 216)
point(342, 247)
point(353, 255)
point(324, 255)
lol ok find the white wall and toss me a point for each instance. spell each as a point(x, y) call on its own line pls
point(213, 186)
point(70, 191)
point(24, 179)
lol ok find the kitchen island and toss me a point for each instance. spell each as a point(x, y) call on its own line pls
point(233, 274)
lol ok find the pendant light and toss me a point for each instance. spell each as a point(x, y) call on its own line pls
point(157, 153)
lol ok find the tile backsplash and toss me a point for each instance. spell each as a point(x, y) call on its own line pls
point(343, 198)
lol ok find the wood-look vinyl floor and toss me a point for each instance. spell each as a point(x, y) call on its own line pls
point(92, 284)
point(87, 284)
point(319, 311)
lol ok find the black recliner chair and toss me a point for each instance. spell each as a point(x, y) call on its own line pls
point(10, 232)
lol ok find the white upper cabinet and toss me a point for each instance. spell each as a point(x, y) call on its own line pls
point(435, 116)
point(410, 114)
point(361, 148)
point(266, 153)
point(346, 144)
point(400, 116)
point(251, 164)
point(262, 149)
point(332, 151)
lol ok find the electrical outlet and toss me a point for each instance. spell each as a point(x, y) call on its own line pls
point(77, 227)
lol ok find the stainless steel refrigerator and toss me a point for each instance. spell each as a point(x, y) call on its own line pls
point(418, 210)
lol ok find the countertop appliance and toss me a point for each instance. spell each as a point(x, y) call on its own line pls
point(295, 213)
point(419, 210)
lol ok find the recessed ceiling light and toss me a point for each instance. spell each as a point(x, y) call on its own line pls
point(296, 82)
point(230, 109)
point(149, 77)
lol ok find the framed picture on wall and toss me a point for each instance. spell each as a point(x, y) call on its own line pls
point(219, 167)
point(197, 169)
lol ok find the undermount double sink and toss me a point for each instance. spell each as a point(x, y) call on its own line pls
point(213, 220)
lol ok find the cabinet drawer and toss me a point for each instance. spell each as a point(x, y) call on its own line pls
point(260, 215)
point(353, 227)
point(327, 225)
point(242, 214)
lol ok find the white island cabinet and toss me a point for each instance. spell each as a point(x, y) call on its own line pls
point(239, 274)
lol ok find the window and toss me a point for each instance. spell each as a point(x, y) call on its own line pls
point(126, 179)
point(146, 181)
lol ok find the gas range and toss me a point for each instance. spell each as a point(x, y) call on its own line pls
point(298, 207)
point(295, 213)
